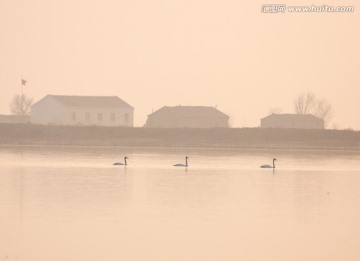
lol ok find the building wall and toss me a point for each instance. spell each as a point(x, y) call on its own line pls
point(100, 116)
point(50, 111)
point(168, 122)
point(293, 122)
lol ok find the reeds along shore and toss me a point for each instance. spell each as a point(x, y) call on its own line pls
point(249, 138)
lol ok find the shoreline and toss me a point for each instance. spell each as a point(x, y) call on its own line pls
point(306, 149)
point(250, 139)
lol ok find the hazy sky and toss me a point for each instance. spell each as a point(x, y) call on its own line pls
point(188, 52)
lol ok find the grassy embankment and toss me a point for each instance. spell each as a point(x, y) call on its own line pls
point(249, 138)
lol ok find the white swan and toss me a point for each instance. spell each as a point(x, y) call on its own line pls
point(120, 163)
point(269, 166)
point(182, 165)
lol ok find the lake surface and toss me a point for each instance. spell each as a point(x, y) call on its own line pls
point(72, 204)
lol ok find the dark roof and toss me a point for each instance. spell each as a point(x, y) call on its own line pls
point(189, 112)
point(292, 116)
point(90, 101)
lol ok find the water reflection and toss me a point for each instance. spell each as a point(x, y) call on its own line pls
point(73, 204)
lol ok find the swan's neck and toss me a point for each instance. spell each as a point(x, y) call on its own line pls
point(186, 164)
point(125, 161)
point(274, 164)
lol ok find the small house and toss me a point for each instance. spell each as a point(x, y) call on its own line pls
point(187, 117)
point(293, 121)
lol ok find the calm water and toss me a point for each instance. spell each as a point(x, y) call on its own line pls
point(73, 204)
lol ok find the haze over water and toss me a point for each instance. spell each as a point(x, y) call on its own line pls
point(73, 204)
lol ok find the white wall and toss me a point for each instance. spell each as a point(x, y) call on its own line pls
point(119, 114)
point(50, 111)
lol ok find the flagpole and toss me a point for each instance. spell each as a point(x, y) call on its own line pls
point(23, 82)
point(22, 97)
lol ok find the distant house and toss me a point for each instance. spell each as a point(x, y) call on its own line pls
point(187, 117)
point(82, 110)
point(294, 121)
point(14, 119)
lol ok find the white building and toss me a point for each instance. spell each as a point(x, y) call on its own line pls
point(292, 121)
point(82, 110)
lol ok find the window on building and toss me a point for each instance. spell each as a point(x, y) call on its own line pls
point(73, 116)
point(100, 116)
point(112, 117)
point(87, 116)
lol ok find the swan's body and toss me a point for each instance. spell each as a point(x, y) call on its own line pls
point(182, 165)
point(269, 166)
point(266, 166)
point(121, 163)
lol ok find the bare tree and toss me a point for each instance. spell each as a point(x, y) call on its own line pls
point(324, 110)
point(304, 103)
point(20, 105)
point(275, 110)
